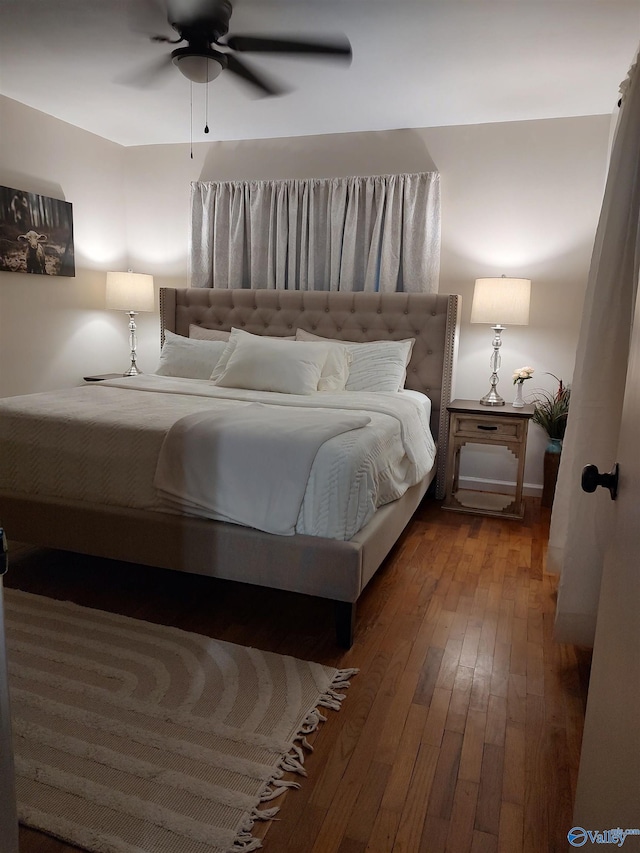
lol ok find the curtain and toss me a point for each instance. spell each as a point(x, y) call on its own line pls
point(581, 524)
point(377, 233)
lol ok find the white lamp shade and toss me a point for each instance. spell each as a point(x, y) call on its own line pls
point(130, 291)
point(501, 301)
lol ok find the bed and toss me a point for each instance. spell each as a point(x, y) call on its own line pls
point(156, 535)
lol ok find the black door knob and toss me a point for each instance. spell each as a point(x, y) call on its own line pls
point(592, 478)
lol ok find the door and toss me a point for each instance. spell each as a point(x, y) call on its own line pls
point(608, 793)
point(8, 816)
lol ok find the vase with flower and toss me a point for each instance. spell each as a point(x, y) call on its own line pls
point(519, 377)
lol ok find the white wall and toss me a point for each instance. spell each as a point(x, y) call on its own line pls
point(521, 199)
point(53, 329)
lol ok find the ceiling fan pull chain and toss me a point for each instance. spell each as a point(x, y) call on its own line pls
point(191, 116)
point(206, 109)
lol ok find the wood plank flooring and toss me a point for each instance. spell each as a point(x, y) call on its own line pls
point(460, 734)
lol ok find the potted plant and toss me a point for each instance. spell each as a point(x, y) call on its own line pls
point(550, 411)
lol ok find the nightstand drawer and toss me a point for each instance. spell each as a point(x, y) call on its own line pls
point(469, 426)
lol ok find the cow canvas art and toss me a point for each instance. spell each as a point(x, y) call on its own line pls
point(36, 234)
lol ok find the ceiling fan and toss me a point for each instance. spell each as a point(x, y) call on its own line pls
point(204, 25)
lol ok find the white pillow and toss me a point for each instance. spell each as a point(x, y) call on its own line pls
point(375, 365)
point(189, 359)
point(335, 370)
point(265, 364)
point(199, 333)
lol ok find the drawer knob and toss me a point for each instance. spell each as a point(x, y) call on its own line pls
point(487, 427)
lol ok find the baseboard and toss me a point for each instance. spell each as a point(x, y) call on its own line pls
point(503, 487)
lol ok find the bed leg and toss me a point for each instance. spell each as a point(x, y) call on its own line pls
point(345, 623)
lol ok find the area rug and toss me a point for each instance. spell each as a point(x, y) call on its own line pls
point(132, 737)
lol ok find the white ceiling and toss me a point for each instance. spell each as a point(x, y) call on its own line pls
point(415, 64)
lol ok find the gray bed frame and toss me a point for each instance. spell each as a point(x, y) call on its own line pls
point(334, 569)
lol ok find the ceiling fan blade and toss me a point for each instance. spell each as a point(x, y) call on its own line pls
point(148, 76)
point(341, 47)
point(266, 87)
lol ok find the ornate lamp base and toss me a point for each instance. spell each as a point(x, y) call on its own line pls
point(492, 399)
point(134, 370)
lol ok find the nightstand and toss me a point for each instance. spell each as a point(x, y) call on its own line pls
point(472, 423)
point(100, 376)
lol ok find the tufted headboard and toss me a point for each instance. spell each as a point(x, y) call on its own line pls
point(431, 319)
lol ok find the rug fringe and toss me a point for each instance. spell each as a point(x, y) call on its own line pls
point(245, 843)
point(331, 698)
point(305, 743)
point(265, 814)
point(293, 761)
point(311, 723)
point(291, 764)
point(343, 674)
point(275, 788)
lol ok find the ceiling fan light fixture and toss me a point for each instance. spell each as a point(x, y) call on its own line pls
point(197, 67)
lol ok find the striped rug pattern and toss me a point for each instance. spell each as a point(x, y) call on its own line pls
point(132, 737)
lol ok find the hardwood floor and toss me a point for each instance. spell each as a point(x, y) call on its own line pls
point(460, 734)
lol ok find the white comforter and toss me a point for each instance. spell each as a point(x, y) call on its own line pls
point(101, 444)
point(249, 465)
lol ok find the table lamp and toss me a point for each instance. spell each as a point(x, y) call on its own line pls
point(131, 292)
point(499, 302)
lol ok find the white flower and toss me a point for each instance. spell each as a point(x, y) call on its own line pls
point(521, 374)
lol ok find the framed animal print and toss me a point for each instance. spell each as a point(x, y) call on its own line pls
point(36, 234)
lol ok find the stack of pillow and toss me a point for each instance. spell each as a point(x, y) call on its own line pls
point(302, 364)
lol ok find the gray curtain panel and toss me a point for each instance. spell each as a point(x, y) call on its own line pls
point(379, 233)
